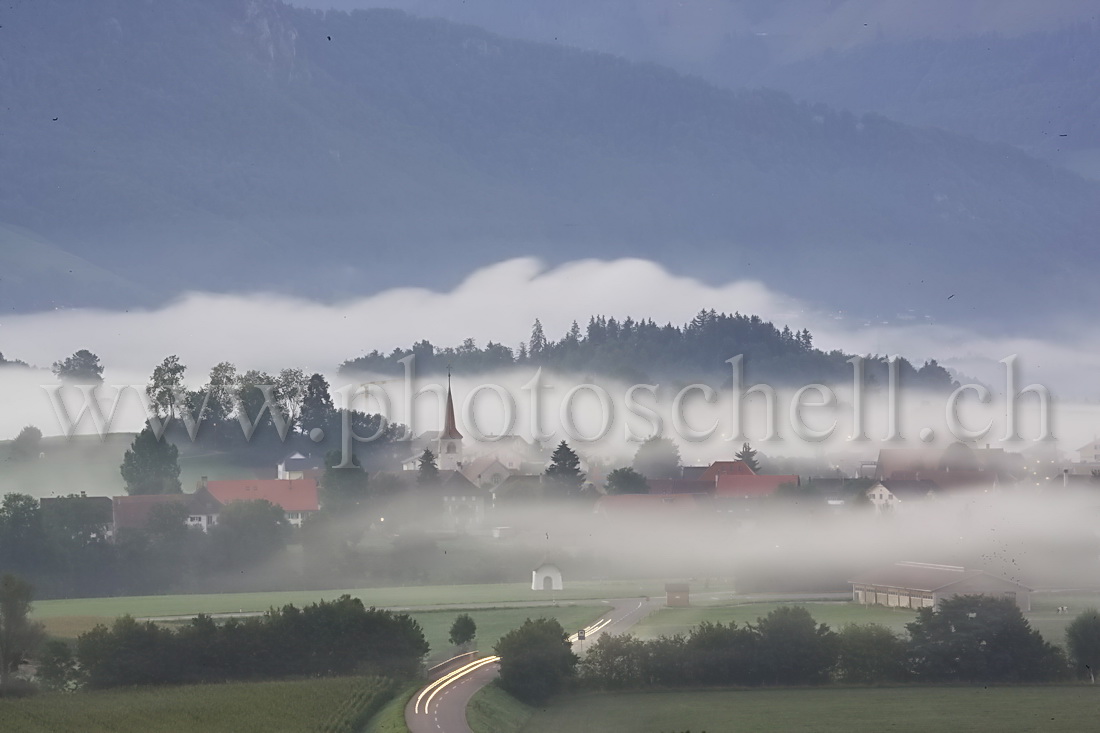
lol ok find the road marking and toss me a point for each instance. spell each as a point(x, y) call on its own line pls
point(443, 681)
point(468, 669)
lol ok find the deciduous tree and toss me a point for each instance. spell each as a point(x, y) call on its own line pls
point(463, 630)
point(83, 367)
point(626, 481)
point(536, 660)
point(1083, 643)
point(658, 458)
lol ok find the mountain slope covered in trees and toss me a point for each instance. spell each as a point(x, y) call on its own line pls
point(236, 145)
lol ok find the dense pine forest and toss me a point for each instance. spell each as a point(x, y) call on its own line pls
point(641, 349)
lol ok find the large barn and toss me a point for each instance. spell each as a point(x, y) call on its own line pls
point(918, 584)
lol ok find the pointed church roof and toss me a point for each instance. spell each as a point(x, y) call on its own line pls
point(450, 429)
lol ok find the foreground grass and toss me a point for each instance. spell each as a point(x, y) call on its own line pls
point(426, 595)
point(391, 718)
point(267, 707)
point(492, 710)
point(826, 710)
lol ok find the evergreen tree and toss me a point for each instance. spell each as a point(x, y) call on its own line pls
point(318, 410)
point(537, 343)
point(748, 457)
point(427, 473)
point(151, 466)
point(564, 471)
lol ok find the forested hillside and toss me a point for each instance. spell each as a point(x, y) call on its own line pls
point(642, 350)
point(291, 150)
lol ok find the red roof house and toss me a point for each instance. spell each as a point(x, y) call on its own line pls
point(679, 486)
point(295, 496)
point(751, 486)
point(726, 468)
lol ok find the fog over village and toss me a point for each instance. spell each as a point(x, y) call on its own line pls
point(401, 365)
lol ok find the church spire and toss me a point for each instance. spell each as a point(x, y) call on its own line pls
point(450, 427)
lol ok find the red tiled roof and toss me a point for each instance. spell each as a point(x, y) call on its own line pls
point(679, 486)
point(752, 485)
point(132, 512)
point(293, 495)
point(726, 468)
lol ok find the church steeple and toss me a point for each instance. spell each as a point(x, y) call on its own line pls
point(450, 427)
point(449, 450)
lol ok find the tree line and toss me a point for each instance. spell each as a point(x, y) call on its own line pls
point(327, 638)
point(970, 639)
point(697, 349)
point(64, 548)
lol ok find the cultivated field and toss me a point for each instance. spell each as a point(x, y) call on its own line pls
point(835, 710)
point(263, 707)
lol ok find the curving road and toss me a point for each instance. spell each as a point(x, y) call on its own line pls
point(441, 706)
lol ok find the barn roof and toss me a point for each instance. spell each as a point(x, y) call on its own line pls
point(292, 495)
point(926, 577)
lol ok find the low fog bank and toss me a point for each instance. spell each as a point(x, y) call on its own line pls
point(499, 303)
point(606, 419)
point(1047, 540)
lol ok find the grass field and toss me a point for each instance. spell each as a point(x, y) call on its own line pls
point(492, 623)
point(270, 707)
point(427, 595)
point(492, 710)
point(836, 710)
point(1043, 616)
point(668, 621)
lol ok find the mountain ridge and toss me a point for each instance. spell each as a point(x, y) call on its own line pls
point(313, 152)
